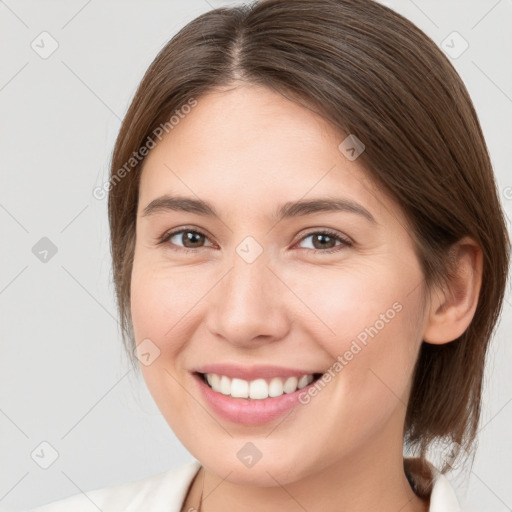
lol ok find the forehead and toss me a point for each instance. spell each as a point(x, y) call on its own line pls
point(250, 147)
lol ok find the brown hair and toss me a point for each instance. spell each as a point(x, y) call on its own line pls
point(372, 73)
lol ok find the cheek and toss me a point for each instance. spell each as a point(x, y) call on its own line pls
point(159, 307)
point(161, 300)
point(340, 304)
point(373, 361)
point(167, 308)
point(369, 322)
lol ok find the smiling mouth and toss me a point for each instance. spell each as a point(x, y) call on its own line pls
point(257, 389)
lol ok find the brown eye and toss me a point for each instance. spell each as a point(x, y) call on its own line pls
point(186, 239)
point(192, 239)
point(325, 241)
point(321, 241)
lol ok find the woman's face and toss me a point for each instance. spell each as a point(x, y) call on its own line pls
point(252, 294)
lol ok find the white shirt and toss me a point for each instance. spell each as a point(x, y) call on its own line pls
point(166, 492)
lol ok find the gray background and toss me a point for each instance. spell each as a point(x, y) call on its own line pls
point(64, 378)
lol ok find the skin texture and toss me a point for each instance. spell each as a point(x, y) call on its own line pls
point(247, 150)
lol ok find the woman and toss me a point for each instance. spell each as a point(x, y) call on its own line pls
point(309, 258)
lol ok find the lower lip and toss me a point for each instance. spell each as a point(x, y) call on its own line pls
point(246, 411)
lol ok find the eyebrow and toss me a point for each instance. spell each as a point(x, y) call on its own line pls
point(287, 210)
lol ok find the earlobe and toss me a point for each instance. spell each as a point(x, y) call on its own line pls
point(452, 308)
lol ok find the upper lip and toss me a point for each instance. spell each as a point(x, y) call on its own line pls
point(252, 372)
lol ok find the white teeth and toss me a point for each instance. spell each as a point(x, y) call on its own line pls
point(276, 387)
point(214, 380)
point(303, 382)
point(224, 385)
point(239, 388)
point(258, 389)
point(290, 385)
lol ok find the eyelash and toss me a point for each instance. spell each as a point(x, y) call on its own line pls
point(333, 234)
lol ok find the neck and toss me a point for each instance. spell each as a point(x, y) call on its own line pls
point(382, 487)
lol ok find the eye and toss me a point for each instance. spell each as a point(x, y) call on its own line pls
point(325, 241)
point(190, 238)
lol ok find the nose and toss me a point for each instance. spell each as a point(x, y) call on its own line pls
point(248, 308)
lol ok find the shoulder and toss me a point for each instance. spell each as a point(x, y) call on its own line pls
point(163, 492)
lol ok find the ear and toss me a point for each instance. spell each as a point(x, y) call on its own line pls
point(452, 308)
